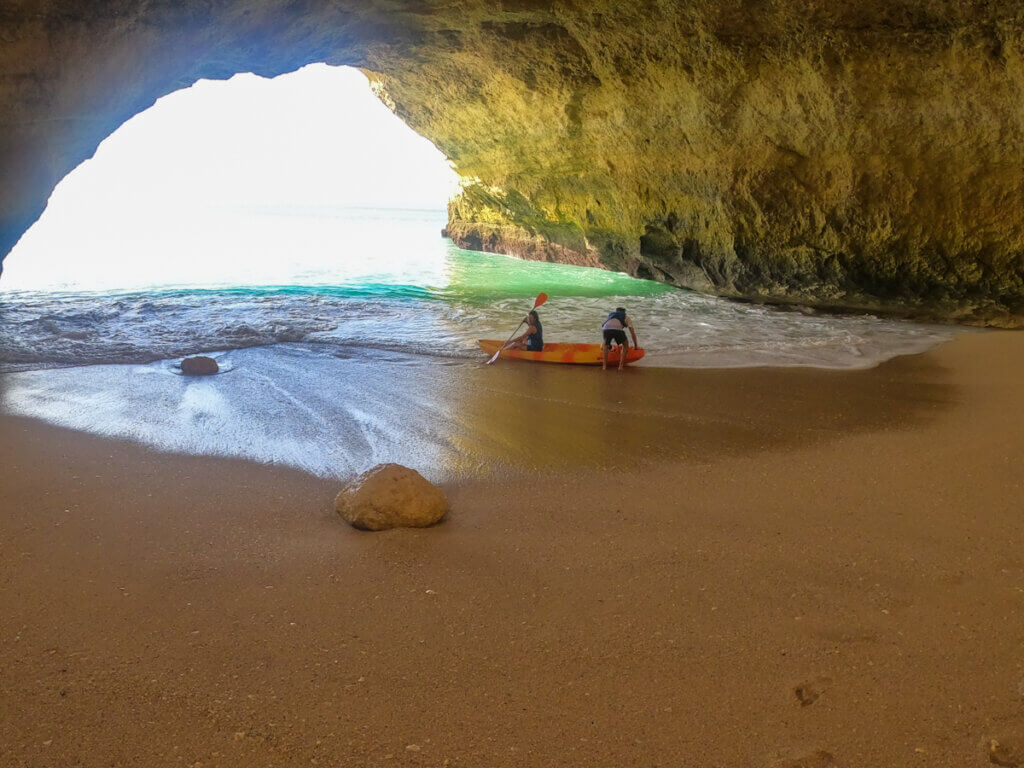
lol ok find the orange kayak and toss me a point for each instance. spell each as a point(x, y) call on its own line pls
point(573, 354)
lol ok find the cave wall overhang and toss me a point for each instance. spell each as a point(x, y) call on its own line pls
point(867, 155)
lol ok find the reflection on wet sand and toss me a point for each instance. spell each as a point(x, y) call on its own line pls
point(306, 407)
point(534, 417)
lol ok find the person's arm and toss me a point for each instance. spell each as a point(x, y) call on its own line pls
point(530, 330)
point(632, 332)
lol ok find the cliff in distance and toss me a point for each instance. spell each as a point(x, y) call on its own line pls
point(859, 155)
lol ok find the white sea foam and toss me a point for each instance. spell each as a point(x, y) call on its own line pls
point(367, 352)
point(384, 279)
point(678, 328)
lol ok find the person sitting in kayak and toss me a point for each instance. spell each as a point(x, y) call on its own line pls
point(614, 330)
point(533, 339)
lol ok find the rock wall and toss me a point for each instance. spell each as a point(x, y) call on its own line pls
point(858, 155)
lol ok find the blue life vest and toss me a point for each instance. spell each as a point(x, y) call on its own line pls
point(620, 316)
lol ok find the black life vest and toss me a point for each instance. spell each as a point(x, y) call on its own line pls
point(535, 341)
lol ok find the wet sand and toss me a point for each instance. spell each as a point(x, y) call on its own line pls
point(784, 568)
point(307, 407)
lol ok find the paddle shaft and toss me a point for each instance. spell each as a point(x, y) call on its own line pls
point(507, 341)
point(541, 298)
point(513, 333)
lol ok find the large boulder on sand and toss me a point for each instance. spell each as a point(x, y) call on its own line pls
point(199, 366)
point(391, 496)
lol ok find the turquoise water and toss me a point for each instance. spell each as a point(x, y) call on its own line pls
point(348, 338)
point(484, 277)
point(354, 279)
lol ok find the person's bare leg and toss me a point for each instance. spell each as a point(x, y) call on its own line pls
point(623, 351)
point(604, 356)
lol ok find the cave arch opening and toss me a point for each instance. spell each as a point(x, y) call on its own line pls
point(483, 297)
point(303, 178)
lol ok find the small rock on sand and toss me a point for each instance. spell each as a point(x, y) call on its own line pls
point(391, 496)
point(199, 366)
point(810, 691)
point(1007, 750)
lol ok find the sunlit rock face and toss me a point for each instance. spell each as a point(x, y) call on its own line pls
point(863, 154)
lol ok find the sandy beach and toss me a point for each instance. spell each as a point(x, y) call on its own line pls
point(786, 568)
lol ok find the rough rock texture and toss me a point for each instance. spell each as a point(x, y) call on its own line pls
point(863, 154)
point(1007, 750)
point(391, 496)
point(199, 366)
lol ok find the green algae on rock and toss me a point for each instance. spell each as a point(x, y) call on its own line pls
point(862, 155)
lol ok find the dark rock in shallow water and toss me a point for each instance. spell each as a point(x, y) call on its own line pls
point(391, 496)
point(199, 366)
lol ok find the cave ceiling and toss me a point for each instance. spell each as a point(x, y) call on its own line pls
point(858, 155)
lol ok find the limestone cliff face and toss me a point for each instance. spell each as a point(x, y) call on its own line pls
point(865, 154)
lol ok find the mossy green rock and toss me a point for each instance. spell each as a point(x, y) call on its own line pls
point(864, 154)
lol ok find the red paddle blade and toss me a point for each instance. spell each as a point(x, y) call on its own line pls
point(541, 298)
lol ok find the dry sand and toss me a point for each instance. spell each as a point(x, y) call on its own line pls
point(822, 569)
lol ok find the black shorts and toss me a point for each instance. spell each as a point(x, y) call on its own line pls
point(610, 335)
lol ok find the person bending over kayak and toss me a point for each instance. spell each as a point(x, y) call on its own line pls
point(533, 339)
point(614, 330)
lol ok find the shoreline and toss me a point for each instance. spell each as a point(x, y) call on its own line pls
point(473, 355)
point(303, 407)
point(822, 569)
point(681, 329)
